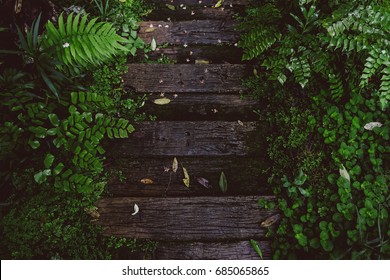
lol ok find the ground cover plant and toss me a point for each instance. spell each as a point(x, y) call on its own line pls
point(323, 69)
point(62, 97)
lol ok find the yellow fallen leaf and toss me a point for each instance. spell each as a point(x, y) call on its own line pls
point(171, 7)
point(146, 181)
point(174, 165)
point(219, 4)
point(270, 221)
point(162, 101)
point(201, 61)
point(149, 29)
point(186, 179)
point(92, 211)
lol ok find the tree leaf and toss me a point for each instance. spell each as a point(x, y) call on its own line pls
point(136, 209)
point(223, 182)
point(92, 211)
point(174, 165)
point(149, 30)
point(204, 182)
point(162, 101)
point(153, 45)
point(40, 177)
point(186, 179)
point(201, 61)
point(218, 4)
point(48, 161)
point(372, 125)
point(146, 181)
point(344, 173)
point(171, 7)
point(270, 221)
point(256, 247)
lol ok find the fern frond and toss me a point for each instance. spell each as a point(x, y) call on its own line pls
point(300, 68)
point(83, 43)
point(260, 40)
point(384, 89)
point(336, 86)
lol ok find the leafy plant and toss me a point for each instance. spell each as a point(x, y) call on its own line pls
point(322, 72)
point(57, 111)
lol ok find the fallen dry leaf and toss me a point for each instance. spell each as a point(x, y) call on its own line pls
point(201, 61)
point(136, 209)
point(146, 181)
point(174, 165)
point(92, 211)
point(162, 101)
point(150, 29)
point(270, 221)
point(204, 182)
point(186, 179)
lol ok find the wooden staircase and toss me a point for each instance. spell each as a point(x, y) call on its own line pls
point(207, 127)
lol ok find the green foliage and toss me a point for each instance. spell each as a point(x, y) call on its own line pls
point(53, 148)
point(330, 168)
point(354, 29)
point(77, 42)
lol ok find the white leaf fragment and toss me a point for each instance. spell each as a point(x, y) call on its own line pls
point(372, 125)
point(175, 165)
point(136, 209)
point(344, 173)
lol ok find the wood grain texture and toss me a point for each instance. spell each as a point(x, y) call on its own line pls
point(239, 250)
point(185, 219)
point(203, 2)
point(190, 55)
point(197, 107)
point(195, 32)
point(217, 138)
point(179, 78)
point(245, 176)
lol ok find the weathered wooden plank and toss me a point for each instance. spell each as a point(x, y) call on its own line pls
point(239, 250)
point(244, 176)
point(201, 2)
point(187, 33)
point(196, 107)
point(185, 218)
point(189, 139)
point(194, 12)
point(178, 78)
point(194, 54)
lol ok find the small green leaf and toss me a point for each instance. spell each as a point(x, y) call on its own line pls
point(34, 144)
point(40, 177)
point(256, 247)
point(223, 182)
point(57, 170)
point(49, 159)
point(54, 119)
point(171, 7)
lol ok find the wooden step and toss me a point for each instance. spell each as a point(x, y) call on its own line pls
point(197, 107)
point(194, 12)
point(239, 250)
point(244, 175)
point(187, 33)
point(185, 218)
point(216, 138)
point(202, 3)
point(200, 54)
point(179, 78)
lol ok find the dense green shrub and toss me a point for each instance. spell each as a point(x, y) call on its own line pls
point(324, 73)
point(59, 103)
